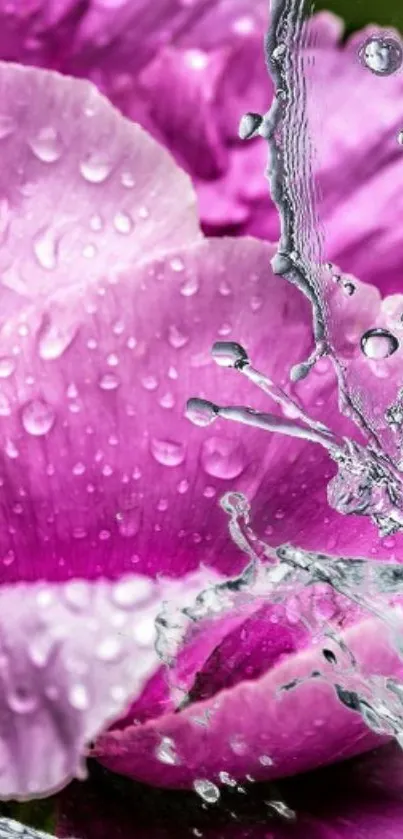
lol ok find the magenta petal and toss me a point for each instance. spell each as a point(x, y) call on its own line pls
point(72, 657)
point(256, 728)
point(84, 190)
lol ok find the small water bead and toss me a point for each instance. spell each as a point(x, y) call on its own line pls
point(45, 249)
point(165, 752)
point(21, 700)
point(89, 251)
point(109, 381)
point(201, 412)
point(96, 223)
point(400, 138)
point(183, 486)
point(54, 339)
point(127, 180)
point(381, 54)
point(7, 126)
point(131, 591)
point(222, 458)
point(109, 649)
point(37, 417)
point(265, 760)
point(149, 382)
point(379, 343)
point(5, 408)
point(123, 223)
point(249, 125)
point(229, 354)
point(167, 400)
point(47, 145)
point(226, 779)
point(348, 289)
point(167, 452)
point(176, 338)
point(208, 791)
point(78, 697)
point(177, 264)
point(95, 167)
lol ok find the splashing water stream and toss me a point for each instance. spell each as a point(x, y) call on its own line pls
point(368, 482)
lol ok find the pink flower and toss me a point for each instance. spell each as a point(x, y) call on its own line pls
point(111, 300)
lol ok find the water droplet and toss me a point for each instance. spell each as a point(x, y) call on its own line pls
point(201, 412)
point(45, 249)
point(7, 126)
point(11, 449)
point(400, 138)
point(95, 167)
point(190, 286)
point(37, 417)
point(265, 760)
point(89, 251)
point(167, 452)
point(177, 264)
point(167, 400)
point(382, 54)
point(39, 648)
point(123, 223)
point(183, 486)
point(129, 522)
point(21, 700)
point(279, 52)
point(208, 791)
point(348, 289)
point(47, 145)
point(176, 338)
point(96, 223)
point(223, 458)
point(165, 752)
point(7, 366)
point(112, 360)
point(5, 409)
point(378, 343)
point(78, 697)
point(249, 125)
point(229, 354)
point(226, 779)
point(127, 180)
point(109, 381)
point(149, 382)
point(109, 648)
point(144, 213)
point(131, 591)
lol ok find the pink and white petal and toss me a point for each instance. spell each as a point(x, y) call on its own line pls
point(101, 471)
point(84, 191)
point(72, 658)
point(256, 728)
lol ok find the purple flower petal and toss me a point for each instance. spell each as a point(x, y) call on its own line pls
point(256, 728)
point(72, 657)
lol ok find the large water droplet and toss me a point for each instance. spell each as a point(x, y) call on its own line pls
point(249, 125)
point(95, 167)
point(207, 790)
point(378, 343)
point(167, 452)
point(109, 381)
point(45, 249)
point(78, 697)
point(47, 145)
point(7, 366)
point(201, 412)
point(165, 752)
point(131, 591)
point(222, 458)
point(229, 354)
point(382, 54)
point(37, 417)
point(54, 338)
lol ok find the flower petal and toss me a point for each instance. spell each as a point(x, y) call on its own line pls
point(256, 727)
point(101, 470)
point(85, 191)
point(72, 657)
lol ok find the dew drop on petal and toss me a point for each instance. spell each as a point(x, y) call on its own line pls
point(109, 648)
point(165, 752)
point(54, 338)
point(78, 697)
point(7, 366)
point(37, 417)
point(45, 249)
point(208, 791)
point(222, 458)
point(131, 591)
point(379, 343)
point(123, 223)
point(109, 381)
point(95, 167)
point(383, 55)
point(167, 452)
point(47, 145)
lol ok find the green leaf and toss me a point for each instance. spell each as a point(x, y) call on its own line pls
point(357, 13)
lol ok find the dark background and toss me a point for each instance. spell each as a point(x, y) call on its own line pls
point(359, 12)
